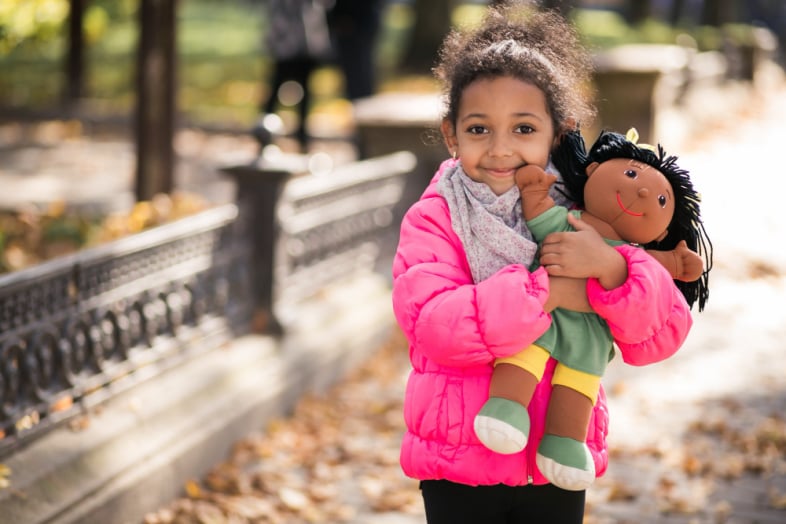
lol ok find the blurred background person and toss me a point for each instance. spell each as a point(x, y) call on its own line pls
point(354, 25)
point(298, 41)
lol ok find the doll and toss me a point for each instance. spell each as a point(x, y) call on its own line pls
point(631, 195)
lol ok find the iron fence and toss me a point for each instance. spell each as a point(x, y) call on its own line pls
point(76, 330)
point(79, 328)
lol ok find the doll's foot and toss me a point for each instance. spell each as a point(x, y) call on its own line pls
point(502, 425)
point(566, 463)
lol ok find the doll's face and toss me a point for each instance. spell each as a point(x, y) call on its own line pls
point(635, 199)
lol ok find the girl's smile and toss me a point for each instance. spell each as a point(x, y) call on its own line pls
point(500, 172)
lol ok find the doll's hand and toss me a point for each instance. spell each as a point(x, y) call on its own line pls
point(567, 293)
point(532, 178)
point(534, 183)
point(583, 254)
point(681, 262)
point(689, 263)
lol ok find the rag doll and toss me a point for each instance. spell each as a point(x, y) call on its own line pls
point(630, 194)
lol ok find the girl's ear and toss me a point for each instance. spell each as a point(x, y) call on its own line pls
point(591, 168)
point(449, 136)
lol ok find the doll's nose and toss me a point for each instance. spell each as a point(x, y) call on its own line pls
point(643, 192)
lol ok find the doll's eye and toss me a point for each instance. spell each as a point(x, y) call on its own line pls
point(662, 200)
point(630, 173)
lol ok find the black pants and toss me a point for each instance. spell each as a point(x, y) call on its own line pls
point(299, 70)
point(450, 503)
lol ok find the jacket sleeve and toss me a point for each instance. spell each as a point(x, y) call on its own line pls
point(443, 313)
point(662, 316)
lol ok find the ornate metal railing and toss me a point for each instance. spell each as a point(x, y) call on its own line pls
point(335, 226)
point(77, 327)
point(80, 328)
point(322, 227)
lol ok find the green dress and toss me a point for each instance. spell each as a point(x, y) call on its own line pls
point(580, 341)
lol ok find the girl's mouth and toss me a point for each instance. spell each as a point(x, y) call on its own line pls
point(501, 173)
point(625, 209)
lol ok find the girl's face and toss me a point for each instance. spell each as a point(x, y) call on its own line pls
point(502, 124)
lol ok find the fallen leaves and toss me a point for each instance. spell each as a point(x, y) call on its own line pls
point(701, 473)
point(336, 460)
point(5, 476)
point(716, 448)
point(336, 455)
point(33, 234)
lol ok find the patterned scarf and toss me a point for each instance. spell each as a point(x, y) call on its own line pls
point(490, 227)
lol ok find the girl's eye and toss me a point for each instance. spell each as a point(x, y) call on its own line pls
point(476, 130)
point(662, 200)
point(525, 129)
point(630, 173)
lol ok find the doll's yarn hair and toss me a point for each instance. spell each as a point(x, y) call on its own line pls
point(571, 159)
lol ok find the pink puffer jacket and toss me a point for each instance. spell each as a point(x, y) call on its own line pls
point(456, 329)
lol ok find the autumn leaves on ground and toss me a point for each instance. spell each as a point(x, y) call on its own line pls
point(339, 452)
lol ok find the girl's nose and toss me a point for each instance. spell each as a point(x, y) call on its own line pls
point(500, 145)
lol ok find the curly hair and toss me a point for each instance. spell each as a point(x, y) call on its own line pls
point(536, 46)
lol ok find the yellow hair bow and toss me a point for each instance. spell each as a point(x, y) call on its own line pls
point(633, 136)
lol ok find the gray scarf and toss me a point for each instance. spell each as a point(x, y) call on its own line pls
point(490, 227)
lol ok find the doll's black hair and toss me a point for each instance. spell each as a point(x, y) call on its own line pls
point(571, 159)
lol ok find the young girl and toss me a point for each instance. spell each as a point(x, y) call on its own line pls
point(462, 293)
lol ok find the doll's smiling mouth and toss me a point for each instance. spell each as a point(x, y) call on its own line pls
point(625, 209)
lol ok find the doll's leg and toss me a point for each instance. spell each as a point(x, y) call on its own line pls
point(563, 456)
point(502, 424)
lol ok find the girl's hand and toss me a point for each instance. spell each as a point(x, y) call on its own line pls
point(567, 293)
point(583, 254)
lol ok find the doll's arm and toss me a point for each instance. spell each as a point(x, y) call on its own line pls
point(682, 263)
point(534, 183)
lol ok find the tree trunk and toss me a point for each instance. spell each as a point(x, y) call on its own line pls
point(75, 64)
point(639, 10)
point(718, 12)
point(432, 23)
point(675, 12)
point(155, 111)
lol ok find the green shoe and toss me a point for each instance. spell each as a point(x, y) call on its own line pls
point(566, 463)
point(502, 425)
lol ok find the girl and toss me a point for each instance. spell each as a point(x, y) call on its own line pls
point(462, 293)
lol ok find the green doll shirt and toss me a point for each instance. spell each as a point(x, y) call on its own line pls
point(580, 341)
